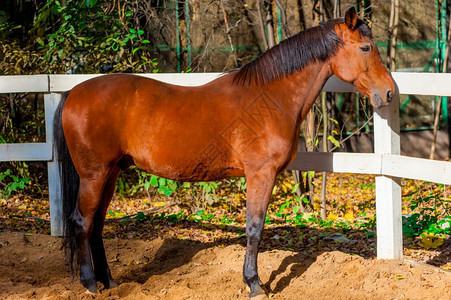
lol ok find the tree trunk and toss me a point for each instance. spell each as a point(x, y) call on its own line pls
point(324, 179)
point(269, 24)
point(283, 18)
point(393, 34)
point(310, 142)
point(261, 25)
point(337, 8)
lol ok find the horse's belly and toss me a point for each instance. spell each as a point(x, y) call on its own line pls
point(188, 163)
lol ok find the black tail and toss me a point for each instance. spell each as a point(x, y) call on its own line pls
point(70, 182)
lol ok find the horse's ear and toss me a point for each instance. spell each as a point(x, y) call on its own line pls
point(350, 17)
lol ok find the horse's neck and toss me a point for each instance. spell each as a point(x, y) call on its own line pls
point(316, 84)
point(299, 91)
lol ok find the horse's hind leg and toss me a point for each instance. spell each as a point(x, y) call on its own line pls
point(101, 270)
point(89, 198)
point(259, 187)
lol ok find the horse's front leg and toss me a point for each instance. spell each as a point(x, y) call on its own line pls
point(259, 187)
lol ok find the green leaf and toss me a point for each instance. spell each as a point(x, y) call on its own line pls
point(207, 188)
point(147, 185)
point(40, 41)
point(429, 241)
point(186, 184)
point(154, 181)
point(295, 188)
point(140, 216)
point(370, 235)
point(167, 192)
point(334, 141)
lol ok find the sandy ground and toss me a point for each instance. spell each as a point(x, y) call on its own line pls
point(32, 266)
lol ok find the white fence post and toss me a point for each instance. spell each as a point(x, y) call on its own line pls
point(388, 189)
point(56, 206)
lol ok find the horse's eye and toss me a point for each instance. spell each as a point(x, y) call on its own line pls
point(365, 48)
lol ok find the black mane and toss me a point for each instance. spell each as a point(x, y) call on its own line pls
point(314, 44)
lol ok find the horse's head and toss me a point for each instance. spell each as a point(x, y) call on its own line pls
point(359, 63)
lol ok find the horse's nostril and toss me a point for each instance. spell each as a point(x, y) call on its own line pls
point(389, 96)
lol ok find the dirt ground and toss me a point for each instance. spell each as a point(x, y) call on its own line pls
point(32, 266)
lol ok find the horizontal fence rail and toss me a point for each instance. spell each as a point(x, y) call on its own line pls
point(375, 164)
point(386, 162)
point(408, 83)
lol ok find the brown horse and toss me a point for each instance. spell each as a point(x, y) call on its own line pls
point(245, 123)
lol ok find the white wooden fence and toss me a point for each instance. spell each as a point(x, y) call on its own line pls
point(386, 161)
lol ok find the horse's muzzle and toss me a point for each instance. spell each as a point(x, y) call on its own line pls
point(379, 101)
